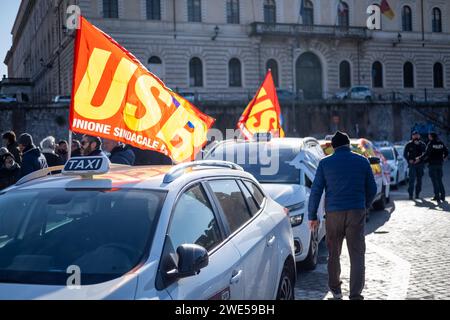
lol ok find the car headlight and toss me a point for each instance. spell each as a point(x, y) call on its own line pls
point(297, 220)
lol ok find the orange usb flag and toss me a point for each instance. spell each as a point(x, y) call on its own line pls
point(386, 9)
point(263, 114)
point(115, 97)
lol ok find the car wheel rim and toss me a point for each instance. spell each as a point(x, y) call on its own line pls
point(286, 289)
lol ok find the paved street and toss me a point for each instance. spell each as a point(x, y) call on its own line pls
point(408, 252)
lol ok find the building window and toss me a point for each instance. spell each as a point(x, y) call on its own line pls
point(343, 14)
point(408, 75)
point(307, 13)
point(438, 75)
point(270, 11)
point(437, 20)
point(345, 79)
point(377, 75)
point(153, 9)
point(406, 19)
point(194, 11)
point(111, 9)
point(233, 11)
point(195, 73)
point(273, 66)
point(235, 74)
point(155, 66)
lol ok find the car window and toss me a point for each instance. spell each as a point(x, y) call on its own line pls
point(256, 192)
point(193, 221)
point(251, 202)
point(232, 202)
point(308, 182)
point(104, 232)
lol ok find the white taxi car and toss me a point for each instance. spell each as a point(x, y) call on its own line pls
point(286, 169)
point(201, 230)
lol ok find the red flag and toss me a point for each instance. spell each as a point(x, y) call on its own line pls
point(116, 97)
point(263, 114)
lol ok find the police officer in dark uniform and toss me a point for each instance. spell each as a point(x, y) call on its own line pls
point(435, 155)
point(414, 151)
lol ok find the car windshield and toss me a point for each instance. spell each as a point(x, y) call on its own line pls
point(102, 233)
point(388, 154)
point(268, 163)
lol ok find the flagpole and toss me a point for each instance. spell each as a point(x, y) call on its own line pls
point(70, 144)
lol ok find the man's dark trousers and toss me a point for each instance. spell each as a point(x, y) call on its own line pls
point(349, 225)
point(436, 174)
point(415, 178)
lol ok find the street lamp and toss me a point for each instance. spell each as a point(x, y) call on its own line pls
point(399, 40)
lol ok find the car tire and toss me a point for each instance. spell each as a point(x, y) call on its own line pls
point(381, 204)
point(310, 262)
point(368, 99)
point(287, 282)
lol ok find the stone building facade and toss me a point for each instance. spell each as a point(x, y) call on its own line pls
point(222, 48)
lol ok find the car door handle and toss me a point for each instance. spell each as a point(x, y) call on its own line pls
point(271, 241)
point(237, 275)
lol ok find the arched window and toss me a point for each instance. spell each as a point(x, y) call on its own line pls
point(233, 11)
point(270, 11)
point(406, 19)
point(377, 75)
point(155, 66)
point(438, 75)
point(408, 75)
point(307, 13)
point(273, 66)
point(343, 14)
point(195, 72)
point(234, 72)
point(153, 9)
point(437, 20)
point(194, 10)
point(111, 9)
point(345, 78)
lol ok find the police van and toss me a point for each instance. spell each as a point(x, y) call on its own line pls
point(200, 230)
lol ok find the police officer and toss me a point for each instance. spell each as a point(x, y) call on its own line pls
point(414, 151)
point(435, 155)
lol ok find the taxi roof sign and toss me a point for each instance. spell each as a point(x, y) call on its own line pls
point(86, 166)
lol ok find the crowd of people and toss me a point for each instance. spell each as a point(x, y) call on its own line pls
point(20, 156)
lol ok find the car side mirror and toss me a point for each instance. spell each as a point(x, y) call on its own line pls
point(374, 160)
point(191, 259)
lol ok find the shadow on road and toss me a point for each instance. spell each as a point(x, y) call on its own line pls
point(441, 206)
point(379, 219)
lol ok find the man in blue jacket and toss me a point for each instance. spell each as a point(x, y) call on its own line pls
point(350, 189)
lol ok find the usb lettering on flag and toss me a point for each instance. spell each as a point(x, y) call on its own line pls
point(263, 114)
point(116, 97)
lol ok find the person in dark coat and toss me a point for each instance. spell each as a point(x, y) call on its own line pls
point(9, 141)
point(32, 158)
point(91, 146)
point(9, 171)
point(119, 153)
point(435, 155)
point(48, 148)
point(350, 189)
point(76, 148)
point(62, 150)
point(414, 150)
point(150, 157)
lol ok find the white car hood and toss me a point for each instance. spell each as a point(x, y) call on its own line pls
point(285, 194)
point(123, 288)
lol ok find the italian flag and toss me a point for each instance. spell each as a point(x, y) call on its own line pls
point(386, 9)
